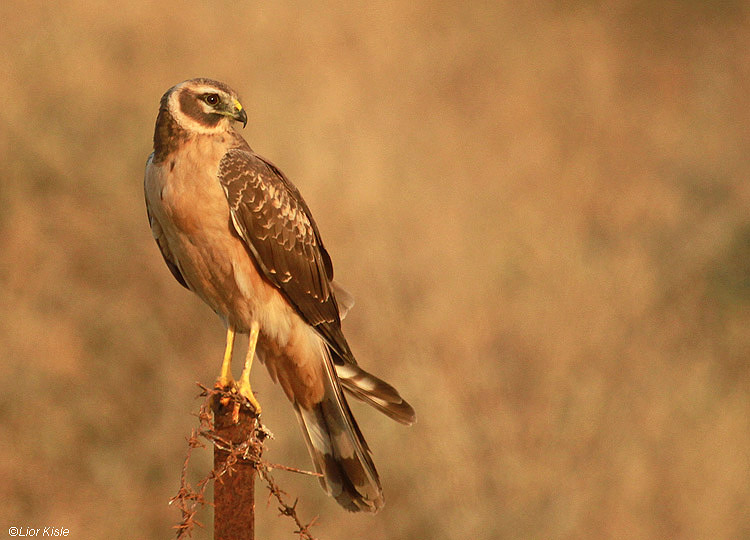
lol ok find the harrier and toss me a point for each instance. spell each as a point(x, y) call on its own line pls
point(235, 231)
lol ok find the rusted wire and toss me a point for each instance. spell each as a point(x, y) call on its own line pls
point(227, 421)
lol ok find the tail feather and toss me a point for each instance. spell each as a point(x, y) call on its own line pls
point(363, 385)
point(376, 392)
point(338, 450)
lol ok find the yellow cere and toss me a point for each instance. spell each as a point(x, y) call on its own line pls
point(238, 105)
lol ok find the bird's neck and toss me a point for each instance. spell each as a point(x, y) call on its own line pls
point(168, 134)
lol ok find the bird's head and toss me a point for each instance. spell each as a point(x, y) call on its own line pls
point(204, 106)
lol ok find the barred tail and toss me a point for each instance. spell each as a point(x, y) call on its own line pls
point(376, 392)
point(363, 385)
point(338, 450)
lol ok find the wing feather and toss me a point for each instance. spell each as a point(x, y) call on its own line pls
point(158, 233)
point(273, 220)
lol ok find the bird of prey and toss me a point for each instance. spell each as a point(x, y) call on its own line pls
point(234, 230)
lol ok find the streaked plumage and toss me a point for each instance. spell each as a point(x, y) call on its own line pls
point(235, 231)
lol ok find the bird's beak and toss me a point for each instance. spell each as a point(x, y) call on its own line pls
point(239, 113)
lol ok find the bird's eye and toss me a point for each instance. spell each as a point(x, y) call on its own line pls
point(211, 99)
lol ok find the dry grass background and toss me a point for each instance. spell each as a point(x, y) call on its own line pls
point(542, 211)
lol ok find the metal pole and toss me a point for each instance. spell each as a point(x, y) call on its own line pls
point(234, 498)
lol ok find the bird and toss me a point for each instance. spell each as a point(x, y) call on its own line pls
point(234, 230)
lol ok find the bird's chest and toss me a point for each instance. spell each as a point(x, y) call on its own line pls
point(188, 201)
point(192, 197)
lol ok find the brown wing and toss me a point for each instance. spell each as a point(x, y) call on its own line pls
point(156, 230)
point(271, 217)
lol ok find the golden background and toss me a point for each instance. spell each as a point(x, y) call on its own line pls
point(541, 209)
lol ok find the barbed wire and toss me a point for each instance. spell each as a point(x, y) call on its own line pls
point(189, 500)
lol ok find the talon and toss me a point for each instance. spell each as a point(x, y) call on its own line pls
point(244, 389)
point(224, 387)
point(226, 382)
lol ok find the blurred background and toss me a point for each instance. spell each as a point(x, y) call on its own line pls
point(543, 212)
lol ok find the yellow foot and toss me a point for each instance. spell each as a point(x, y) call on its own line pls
point(225, 383)
point(243, 389)
point(237, 388)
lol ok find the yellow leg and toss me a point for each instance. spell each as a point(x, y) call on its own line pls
point(225, 377)
point(244, 385)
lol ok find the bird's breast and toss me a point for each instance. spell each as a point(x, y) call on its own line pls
point(191, 207)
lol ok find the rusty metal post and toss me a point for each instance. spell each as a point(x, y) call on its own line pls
point(234, 495)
